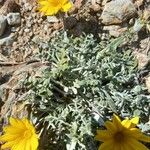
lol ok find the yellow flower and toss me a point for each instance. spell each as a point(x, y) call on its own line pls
point(52, 7)
point(122, 135)
point(19, 135)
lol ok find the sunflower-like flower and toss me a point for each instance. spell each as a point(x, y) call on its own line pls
point(122, 135)
point(52, 7)
point(19, 135)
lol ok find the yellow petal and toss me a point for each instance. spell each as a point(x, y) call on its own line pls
point(126, 123)
point(27, 145)
point(103, 135)
point(16, 122)
point(106, 146)
point(43, 9)
point(126, 146)
point(145, 138)
point(13, 130)
point(117, 147)
point(66, 7)
point(136, 145)
point(34, 143)
point(110, 126)
point(8, 137)
point(64, 2)
point(43, 3)
point(117, 122)
point(8, 145)
point(51, 11)
point(13, 121)
point(20, 145)
point(135, 133)
point(135, 120)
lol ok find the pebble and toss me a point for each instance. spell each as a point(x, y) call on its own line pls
point(14, 18)
point(95, 7)
point(52, 19)
point(26, 30)
point(118, 11)
point(2, 24)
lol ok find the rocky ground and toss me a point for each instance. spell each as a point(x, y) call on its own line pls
point(22, 29)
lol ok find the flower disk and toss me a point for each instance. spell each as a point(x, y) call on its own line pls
point(122, 135)
point(52, 7)
point(19, 135)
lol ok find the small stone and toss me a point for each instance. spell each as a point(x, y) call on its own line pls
point(40, 21)
point(2, 24)
point(118, 11)
point(45, 27)
point(95, 7)
point(57, 26)
point(26, 30)
point(28, 6)
point(35, 39)
point(14, 18)
point(20, 32)
point(52, 19)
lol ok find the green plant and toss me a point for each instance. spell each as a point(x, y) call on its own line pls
point(86, 79)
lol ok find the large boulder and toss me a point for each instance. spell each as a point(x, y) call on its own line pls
point(118, 11)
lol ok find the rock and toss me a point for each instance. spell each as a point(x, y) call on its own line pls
point(9, 6)
point(14, 18)
point(138, 25)
point(7, 40)
point(143, 59)
point(95, 7)
point(2, 24)
point(147, 82)
point(118, 11)
point(70, 22)
point(115, 30)
point(52, 19)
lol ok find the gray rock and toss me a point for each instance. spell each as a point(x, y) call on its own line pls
point(14, 18)
point(7, 40)
point(118, 11)
point(138, 25)
point(2, 24)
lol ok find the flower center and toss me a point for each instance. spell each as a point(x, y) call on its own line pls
point(27, 134)
point(119, 137)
